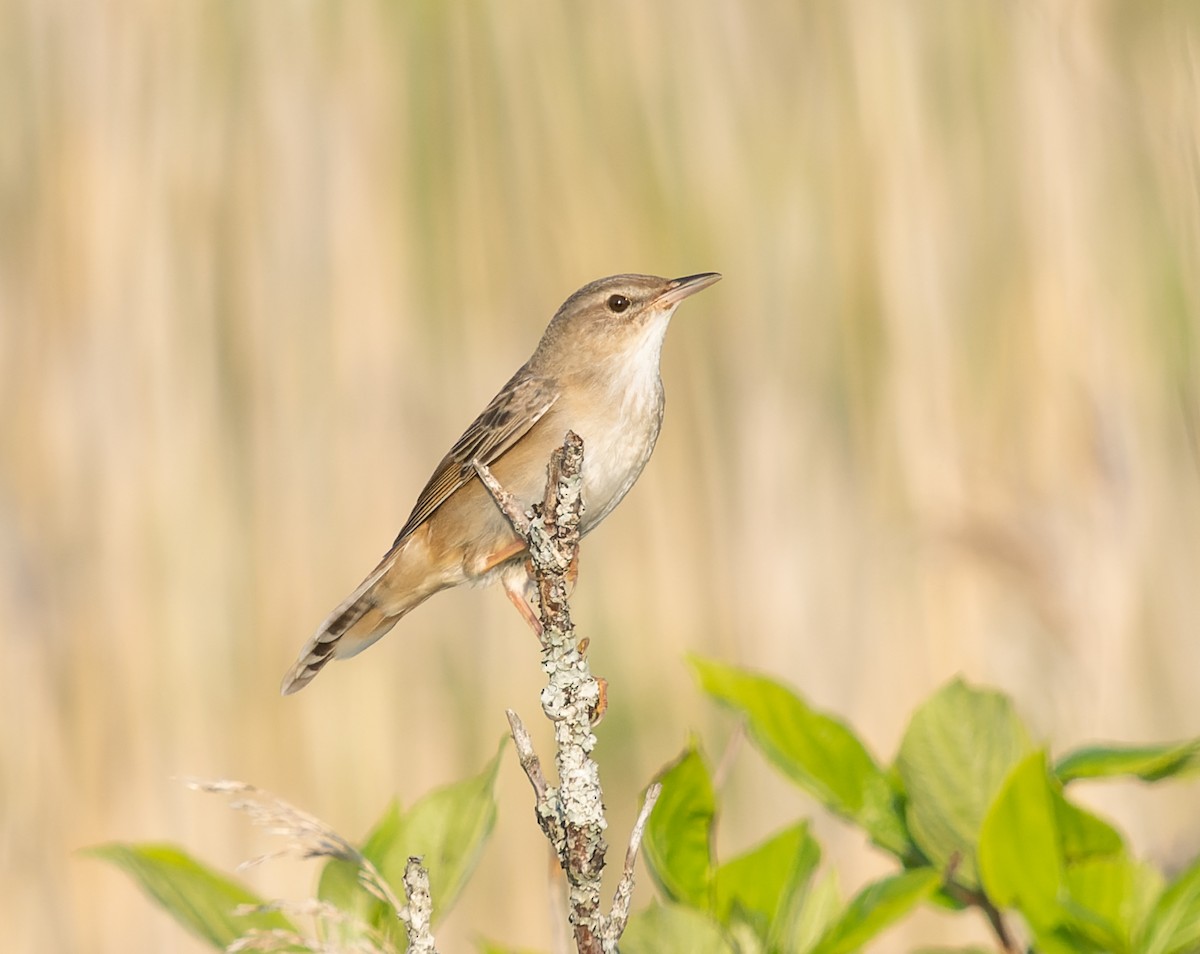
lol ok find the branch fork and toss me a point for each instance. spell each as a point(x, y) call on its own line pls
point(572, 814)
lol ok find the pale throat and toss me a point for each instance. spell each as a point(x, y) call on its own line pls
point(621, 440)
point(634, 374)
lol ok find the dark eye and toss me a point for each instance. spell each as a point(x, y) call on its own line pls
point(618, 303)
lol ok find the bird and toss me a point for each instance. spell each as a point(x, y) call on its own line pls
point(595, 371)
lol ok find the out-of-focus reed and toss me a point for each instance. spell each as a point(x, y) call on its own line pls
point(261, 262)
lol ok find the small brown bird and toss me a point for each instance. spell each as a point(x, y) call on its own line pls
point(596, 372)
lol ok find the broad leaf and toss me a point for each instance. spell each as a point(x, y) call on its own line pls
point(1020, 854)
point(1173, 925)
point(876, 907)
point(447, 829)
point(677, 844)
point(1100, 878)
point(1063, 868)
point(956, 753)
point(673, 929)
point(816, 751)
point(199, 898)
point(1083, 836)
point(340, 882)
point(819, 908)
point(764, 886)
point(1102, 901)
point(1149, 763)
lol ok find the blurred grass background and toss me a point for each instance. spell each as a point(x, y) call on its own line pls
point(261, 262)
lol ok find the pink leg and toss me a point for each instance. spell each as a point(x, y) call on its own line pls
point(514, 589)
point(573, 573)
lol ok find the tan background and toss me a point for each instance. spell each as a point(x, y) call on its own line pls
point(260, 262)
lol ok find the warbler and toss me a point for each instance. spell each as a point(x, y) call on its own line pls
point(595, 371)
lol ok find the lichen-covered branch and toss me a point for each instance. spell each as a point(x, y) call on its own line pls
point(571, 814)
point(419, 923)
point(545, 798)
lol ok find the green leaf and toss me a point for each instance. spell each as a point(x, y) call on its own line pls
point(1020, 858)
point(956, 753)
point(1063, 868)
point(447, 829)
point(1083, 836)
point(1173, 925)
point(954, 950)
point(1149, 763)
point(1103, 901)
point(199, 898)
point(673, 929)
point(339, 883)
point(816, 751)
point(1100, 877)
point(819, 908)
point(876, 907)
point(677, 844)
point(764, 886)
point(1147, 888)
point(485, 946)
point(742, 938)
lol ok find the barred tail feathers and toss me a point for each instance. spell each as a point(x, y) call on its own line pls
point(362, 618)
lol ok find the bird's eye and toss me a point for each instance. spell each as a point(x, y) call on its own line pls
point(618, 303)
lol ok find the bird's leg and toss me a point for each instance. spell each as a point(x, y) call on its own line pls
point(517, 582)
point(601, 706)
point(516, 587)
point(572, 574)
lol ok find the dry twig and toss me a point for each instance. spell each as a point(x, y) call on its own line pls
point(572, 814)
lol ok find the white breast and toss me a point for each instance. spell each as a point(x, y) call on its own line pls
point(619, 443)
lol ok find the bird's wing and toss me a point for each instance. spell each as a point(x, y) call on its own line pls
point(519, 405)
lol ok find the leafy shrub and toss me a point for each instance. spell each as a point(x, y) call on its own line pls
point(976, 816)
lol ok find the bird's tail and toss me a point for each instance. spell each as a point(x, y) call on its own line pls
point(362, 618)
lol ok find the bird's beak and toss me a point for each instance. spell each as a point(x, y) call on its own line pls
point(682, 288)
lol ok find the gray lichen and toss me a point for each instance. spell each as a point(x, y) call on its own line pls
point(570, 814)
